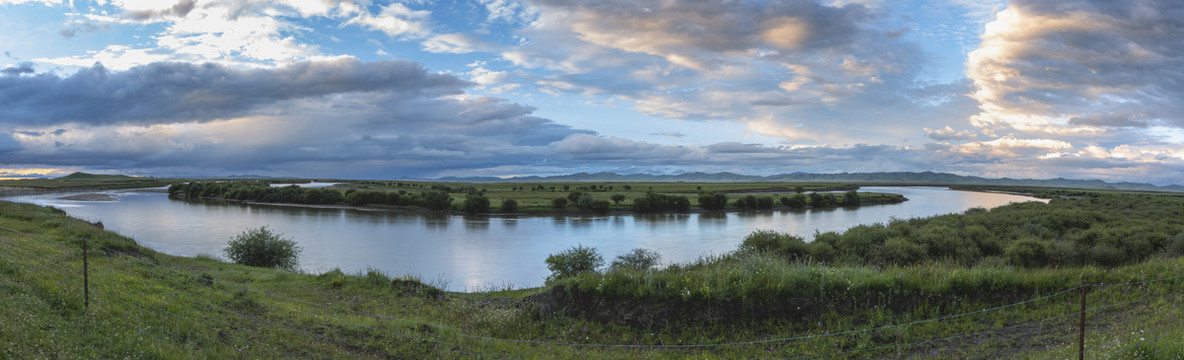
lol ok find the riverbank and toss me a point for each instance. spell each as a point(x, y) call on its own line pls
point(877, 199)
point(146, 304)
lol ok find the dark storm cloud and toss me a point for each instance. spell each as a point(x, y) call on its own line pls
point(181, 92)
point(22, 68)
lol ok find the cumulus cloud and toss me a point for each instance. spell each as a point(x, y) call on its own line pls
point(396, 20)
point(453, 44)
point(949, 133)
point(182, 92)
point(1083, 66)
point(770, 66)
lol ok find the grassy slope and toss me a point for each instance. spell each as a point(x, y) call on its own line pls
point(157, 306)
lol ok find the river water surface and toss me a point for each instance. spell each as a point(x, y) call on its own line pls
point(476, 252)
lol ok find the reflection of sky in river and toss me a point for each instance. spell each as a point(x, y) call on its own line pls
point(476, 251)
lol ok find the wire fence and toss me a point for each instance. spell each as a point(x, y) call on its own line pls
point(244, 319)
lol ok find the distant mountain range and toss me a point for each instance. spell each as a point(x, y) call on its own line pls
point(896, 178)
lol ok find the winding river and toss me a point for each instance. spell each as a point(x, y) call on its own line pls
point(471, 253)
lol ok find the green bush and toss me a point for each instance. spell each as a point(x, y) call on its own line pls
point(796, 201)
point(713, 201)
point(775, 242)
point(573, 261)
point(476, 203)
point(653, 202)
point(263, 248)
point(559, 203)
point(601, 206)
point(509, 205)
point(1029, 252)
point(901, 251)
point(639, 259)
point(436, 200)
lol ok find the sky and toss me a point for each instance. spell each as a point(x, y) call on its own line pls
point(1082, 89)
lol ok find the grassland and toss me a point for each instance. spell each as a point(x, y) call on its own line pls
point(149, 305)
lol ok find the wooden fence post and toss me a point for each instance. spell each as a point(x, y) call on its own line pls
point(85, 275)
point(1081, 333)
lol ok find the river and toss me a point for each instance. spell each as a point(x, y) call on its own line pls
point(470, 253)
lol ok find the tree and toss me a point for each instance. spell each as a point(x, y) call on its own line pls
point(263, 248)
point(653, 202)
point(618, 198)
point(639, 259)
point(476, 203)
point(436, 200)
point(851, 198)
point(600, 206)
point(797, 201)
point(573, 261)
point(559, 203)
point(584, 202)
point(509, 205)
point(713, 201)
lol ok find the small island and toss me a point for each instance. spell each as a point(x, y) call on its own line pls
point(543, 198)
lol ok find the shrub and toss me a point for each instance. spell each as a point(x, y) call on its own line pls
point(436, 200)
point(822, 251)
point(476, 203)
point(618, 198)
point(509, 205)
point(774, 242)
point(585, 202)
point(261, 247)
point(639, 259)
point(559, 203)
point(601, 206)
point(713, 201)
point(851, 198)
point(1029, 252)
point(901, 251)
point(573, 261)
point(796, 201)
point(652, 202)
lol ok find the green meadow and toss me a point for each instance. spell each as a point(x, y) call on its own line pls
point(998, 283)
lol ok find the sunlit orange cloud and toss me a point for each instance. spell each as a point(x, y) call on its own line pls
point(25, 173)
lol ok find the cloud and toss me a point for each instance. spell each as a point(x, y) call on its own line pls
point(508, 11)
point(380, 119)
point(453, 44)
point(949, 133)
point(674, 134)
point(396, 20)
point(43, 2)
point(1081, 67)
point(72, 29)
point(777, 68)
point(22, 68)
point(181, 92)
point(180, 9)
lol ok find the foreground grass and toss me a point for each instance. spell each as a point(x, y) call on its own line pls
point(149, 305)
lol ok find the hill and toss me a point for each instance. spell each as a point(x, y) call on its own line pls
point(875, 178)
point(81, 176)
